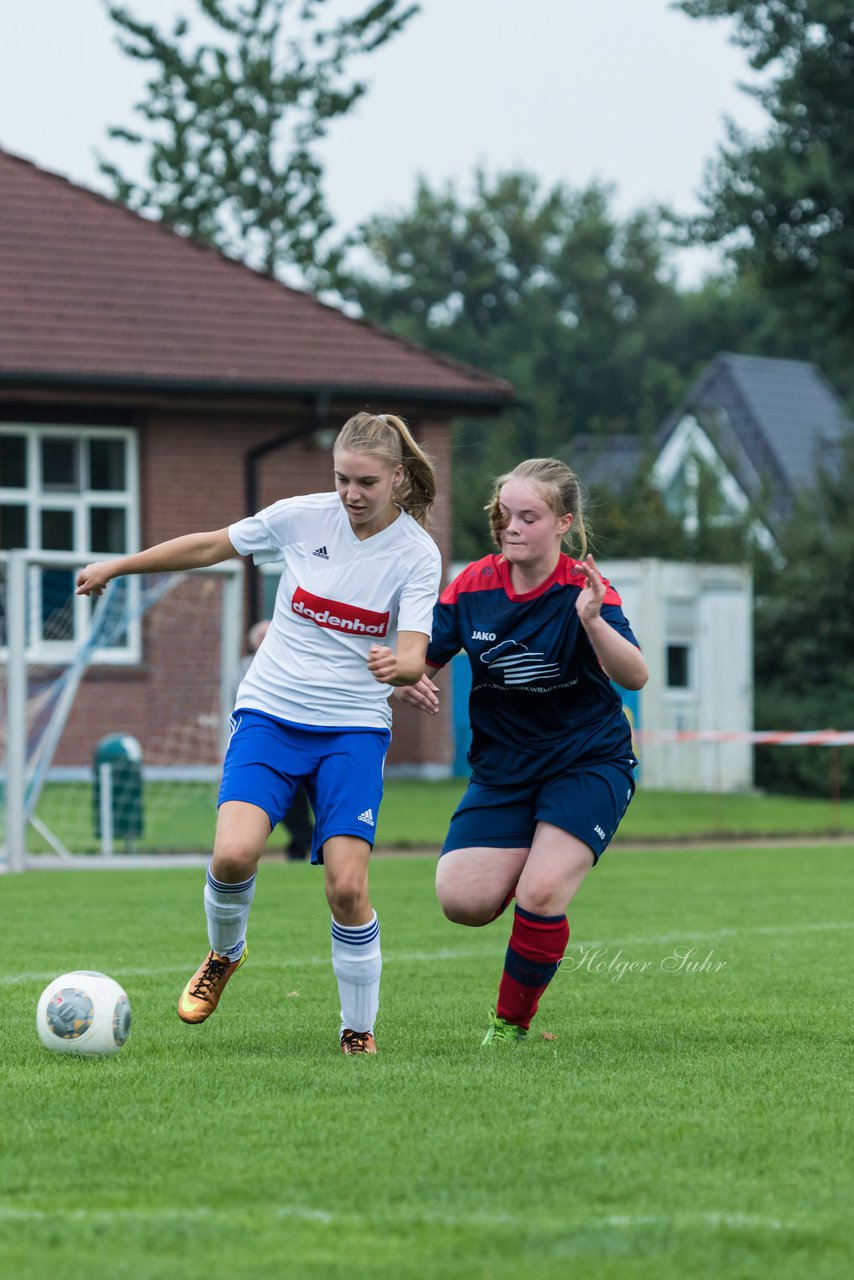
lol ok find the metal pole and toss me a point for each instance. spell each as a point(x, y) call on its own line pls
point(836, 790)
point(16, 735)
point(230, 637)
point(105, 773)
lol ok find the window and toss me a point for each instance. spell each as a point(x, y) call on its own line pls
point(13, 461)
point(678, 666)
point(72, 490)
point(680, 623)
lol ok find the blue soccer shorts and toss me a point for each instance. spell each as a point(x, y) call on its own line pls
point(342, 770)
point(587, 802)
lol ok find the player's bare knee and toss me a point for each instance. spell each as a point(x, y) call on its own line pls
point(465, 913)
point(541, 901)
point(233, 862)
point(346, 898)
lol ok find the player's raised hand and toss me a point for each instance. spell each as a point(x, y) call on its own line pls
point(93, 580)
point(589, 602)
point(423, 695)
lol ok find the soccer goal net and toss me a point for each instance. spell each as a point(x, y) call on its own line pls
point(114, 710)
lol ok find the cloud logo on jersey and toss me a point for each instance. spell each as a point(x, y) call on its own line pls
point(338, 616)
point(518, 664)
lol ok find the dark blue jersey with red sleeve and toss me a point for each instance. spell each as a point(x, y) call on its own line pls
point(540, 702)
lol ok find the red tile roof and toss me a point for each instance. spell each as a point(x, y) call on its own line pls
point(91, 291)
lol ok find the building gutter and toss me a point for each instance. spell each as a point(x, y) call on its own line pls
point(453, 400)
point(251, 485)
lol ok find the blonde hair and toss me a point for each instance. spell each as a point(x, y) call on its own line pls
point(389, 438)
point(559, 488)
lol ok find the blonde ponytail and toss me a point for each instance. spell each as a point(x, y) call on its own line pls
point(388, 436)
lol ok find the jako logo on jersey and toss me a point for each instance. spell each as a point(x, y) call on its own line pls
point(338, 616)
point(600, 833)
point(483, 635)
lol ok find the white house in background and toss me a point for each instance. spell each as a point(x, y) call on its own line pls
point(695, 626)
point(762, 427)
point(687, 453)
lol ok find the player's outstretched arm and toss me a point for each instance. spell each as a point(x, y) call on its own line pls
point(191, 551)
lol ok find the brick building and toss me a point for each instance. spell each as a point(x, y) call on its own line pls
point(150, 386)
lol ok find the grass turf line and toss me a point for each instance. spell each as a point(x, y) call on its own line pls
point(680, 1123)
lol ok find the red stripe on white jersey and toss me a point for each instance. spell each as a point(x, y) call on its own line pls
point(338, 616)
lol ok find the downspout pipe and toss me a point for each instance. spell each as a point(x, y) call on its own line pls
point(251, 486)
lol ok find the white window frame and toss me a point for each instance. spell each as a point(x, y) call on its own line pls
point(79, 501)
point(688, 446)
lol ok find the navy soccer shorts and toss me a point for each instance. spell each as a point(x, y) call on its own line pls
point(342, 770)
point(587, 802)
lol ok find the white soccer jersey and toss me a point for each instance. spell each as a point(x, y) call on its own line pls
point(337, 596)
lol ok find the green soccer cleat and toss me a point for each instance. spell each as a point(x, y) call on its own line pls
point(501, 1032)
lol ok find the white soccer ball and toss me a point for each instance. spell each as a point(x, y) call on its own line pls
point(83, 1012)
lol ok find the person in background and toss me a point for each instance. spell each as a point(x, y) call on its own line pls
point(297, 821)
point(352, 619)
point(551, 754)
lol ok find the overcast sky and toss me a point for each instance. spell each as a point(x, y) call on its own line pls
point(627, 91)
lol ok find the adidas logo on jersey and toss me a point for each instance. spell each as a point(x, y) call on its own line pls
point(367, 816)
point(322, 552)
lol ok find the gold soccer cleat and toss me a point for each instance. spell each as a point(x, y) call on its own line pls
point(202, 993)
point(357, 1041)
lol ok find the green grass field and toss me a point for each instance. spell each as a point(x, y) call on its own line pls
point(680, 1124)
point(182, 816)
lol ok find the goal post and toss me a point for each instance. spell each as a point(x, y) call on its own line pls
point(14, 618)
point(155, 659)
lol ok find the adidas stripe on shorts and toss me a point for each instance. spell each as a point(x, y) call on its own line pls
point(342, 770)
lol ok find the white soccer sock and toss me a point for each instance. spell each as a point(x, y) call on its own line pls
point(227, 909)
point(357, 963)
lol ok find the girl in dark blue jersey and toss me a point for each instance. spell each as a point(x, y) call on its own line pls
point(551, 755)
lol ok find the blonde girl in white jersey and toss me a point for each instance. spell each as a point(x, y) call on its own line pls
point(352, 619)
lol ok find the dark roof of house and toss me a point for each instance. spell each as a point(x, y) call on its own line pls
point(605, 462)
point(775, 422)
point(92, 292)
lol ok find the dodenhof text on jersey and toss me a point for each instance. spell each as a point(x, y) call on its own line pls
point(339, 616)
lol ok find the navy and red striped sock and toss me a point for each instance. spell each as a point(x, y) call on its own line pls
point(537, 945)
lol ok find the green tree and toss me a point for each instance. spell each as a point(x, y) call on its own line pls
point(783, 205)
point(544, 288)
point(636, 521)
point(804, 634)
point(232, 122)
point(548, 289)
